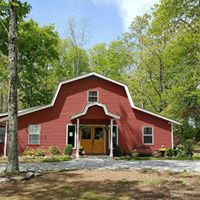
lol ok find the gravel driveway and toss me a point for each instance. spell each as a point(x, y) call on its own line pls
point(108, 163)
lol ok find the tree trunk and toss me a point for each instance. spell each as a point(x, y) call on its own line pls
point(162, 86)
point(12, 166)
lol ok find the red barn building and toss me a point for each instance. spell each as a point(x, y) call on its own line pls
point(94, 112)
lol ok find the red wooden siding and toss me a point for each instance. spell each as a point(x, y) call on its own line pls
point(72, 98)
point(1, 148)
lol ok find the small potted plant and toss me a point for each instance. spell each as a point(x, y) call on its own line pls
point(162, 151)
point(81, 151)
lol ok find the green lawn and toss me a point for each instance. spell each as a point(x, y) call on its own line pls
point(195, 157)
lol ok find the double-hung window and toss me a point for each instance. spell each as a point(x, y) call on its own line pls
point(93, 96)
point(147, 135)
point(34, 134)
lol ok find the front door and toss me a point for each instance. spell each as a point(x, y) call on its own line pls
point(93, 139)
point(86, 139)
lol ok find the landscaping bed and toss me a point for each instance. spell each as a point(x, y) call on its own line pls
point(39, 159)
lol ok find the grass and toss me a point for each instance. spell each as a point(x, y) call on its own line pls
point(195, 157)
point(60, 158)
point(106, 185)
point(55, 159)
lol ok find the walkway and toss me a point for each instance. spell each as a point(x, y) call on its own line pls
point(108, 163)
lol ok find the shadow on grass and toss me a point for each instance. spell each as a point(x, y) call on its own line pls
point(76, 186)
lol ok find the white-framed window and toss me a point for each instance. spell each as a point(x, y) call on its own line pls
point(147, 135)
point(2, 134)
point(71, 135)
point(34, 134)
point(93, 96)
point(115, 136)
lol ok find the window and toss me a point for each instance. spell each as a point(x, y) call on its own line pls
point(2, 134)
point(86, 133)
point(148, 135)
point(34, 134)
point(71, 135)
point(115, 136)
point(98, 133)
point(93, 96)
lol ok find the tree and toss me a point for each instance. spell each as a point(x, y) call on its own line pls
point(166, 55)
point(12, 166)
point(114, 60)
point(78, 36)
point(62, 68)
point(38, 49)
point(22, 9)
point(181, 21)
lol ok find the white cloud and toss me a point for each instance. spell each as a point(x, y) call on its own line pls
point(128, 9)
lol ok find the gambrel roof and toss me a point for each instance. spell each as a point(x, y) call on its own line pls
point(3, 116)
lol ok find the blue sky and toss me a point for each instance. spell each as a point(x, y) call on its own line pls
point(107, 19)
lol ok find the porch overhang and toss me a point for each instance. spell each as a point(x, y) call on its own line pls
point(3, 120)
point(89, 105)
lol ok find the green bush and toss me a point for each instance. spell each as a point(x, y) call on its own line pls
point(54, 150)
point(185, 149)
point(29, 152)
point(40, 151)
point(68, 150)
point(189, 147)
point(181, 152)
point(34, 152)
point(143, 154)
point(117, 151)
point(171, 152)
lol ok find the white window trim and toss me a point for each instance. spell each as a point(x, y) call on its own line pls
point(39, 134)
point(92, 91)
point(148, 135)
point(67, 135)
point(117, 136)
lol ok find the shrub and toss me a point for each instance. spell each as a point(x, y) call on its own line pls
point(170, 152)
point(185, 149)
point(29, 152)
point(68, 150)
point(189, 147)
point(181, 152)
point(117, 151)
point(143, 154)
point(40, 151)
point(54, 150)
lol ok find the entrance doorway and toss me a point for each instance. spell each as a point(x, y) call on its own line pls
point(92, 139)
